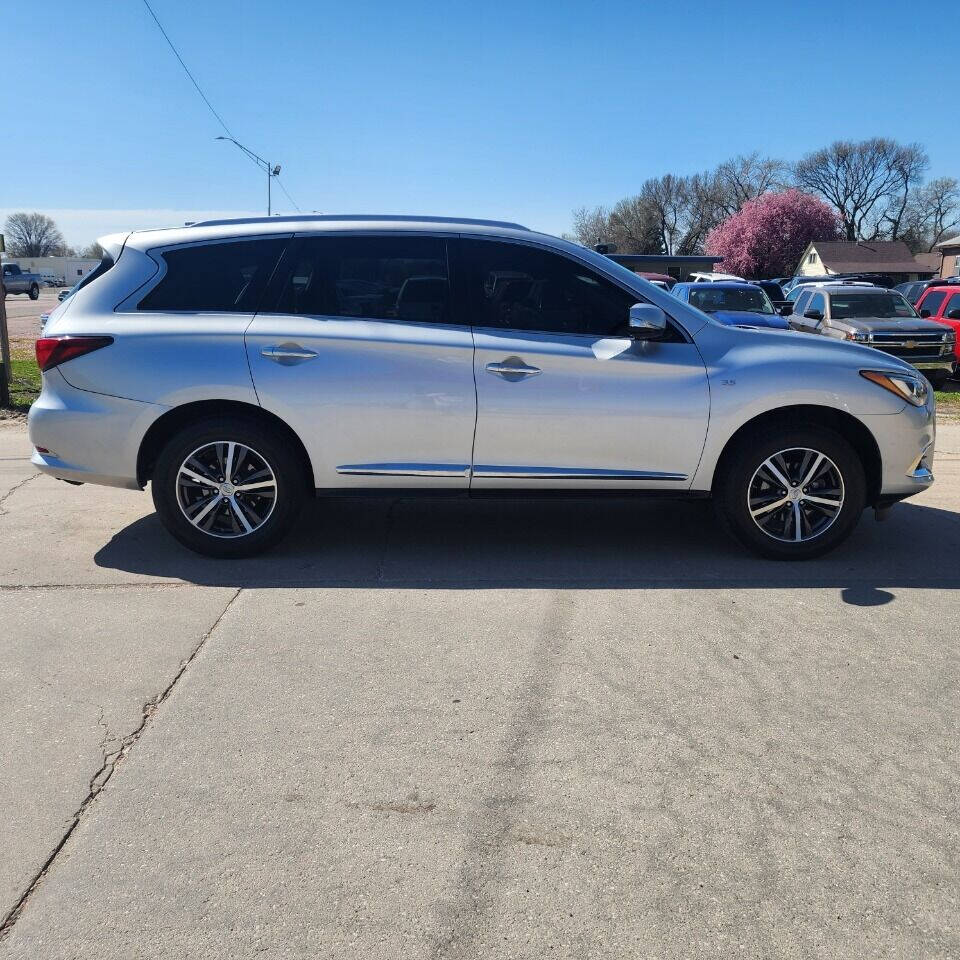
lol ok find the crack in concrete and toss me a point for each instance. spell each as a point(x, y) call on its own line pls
point(112, 758)
point(14, 489)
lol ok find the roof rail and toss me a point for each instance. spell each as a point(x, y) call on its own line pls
point(361, 217)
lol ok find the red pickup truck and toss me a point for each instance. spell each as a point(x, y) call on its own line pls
point(942, 303)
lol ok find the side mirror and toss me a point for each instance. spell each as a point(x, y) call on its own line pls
point(647, 322)
point(813, 315)
point(952, 314)
point(785, 309)
point(924, 312)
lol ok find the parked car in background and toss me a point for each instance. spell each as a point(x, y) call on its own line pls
point(877, 318)
point(775, 292)
point(771, 288)
point(735, 303)
point(712, 277)
point(941, 304)
point(662, 280)
point(15, 281)
point(914, 289)
point(239, 367)
point(874, 279)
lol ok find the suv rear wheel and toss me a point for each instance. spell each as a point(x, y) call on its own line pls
point(226, 487)
point(792, 494)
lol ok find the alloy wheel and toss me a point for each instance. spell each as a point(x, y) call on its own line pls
point(226, 489)
point(795, 495)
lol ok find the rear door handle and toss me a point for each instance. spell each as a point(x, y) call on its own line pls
point(513, 369)
point(288, 354)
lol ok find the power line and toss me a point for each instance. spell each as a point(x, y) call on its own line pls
point(193, 80)
point(287, 195)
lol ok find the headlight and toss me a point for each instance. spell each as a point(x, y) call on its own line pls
point(912, 389)
point(858, 337)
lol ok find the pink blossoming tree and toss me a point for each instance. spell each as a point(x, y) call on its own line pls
point(767, 236)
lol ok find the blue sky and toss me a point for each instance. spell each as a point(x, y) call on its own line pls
point(520, 110)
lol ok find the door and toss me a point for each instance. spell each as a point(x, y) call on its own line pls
point(360, 354)
point(565, 398)
point(800, 321)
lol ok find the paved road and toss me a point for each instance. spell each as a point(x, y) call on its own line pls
point(23, 314)
point(476, 730)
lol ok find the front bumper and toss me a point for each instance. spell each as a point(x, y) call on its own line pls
point(946, 364)
point(87, 437)
point(906, 441)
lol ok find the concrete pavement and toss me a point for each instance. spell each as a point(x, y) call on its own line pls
point(476, 730)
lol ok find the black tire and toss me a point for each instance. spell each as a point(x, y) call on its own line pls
point(742, 467)
point(939, 380)
point(171, 492)
point(34, 292)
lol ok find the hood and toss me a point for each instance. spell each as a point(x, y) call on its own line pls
point(744, 318)
point(776, 344)
point(887, 325)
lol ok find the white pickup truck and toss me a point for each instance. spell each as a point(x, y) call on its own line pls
point(16, 281)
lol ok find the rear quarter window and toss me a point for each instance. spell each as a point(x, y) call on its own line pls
point(223, 277)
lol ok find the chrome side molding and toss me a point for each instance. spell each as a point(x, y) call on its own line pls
point(569, 473)
point(405, 469)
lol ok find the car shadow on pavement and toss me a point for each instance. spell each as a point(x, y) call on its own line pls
point(552, 544)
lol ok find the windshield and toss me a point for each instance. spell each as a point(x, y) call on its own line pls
point(742, 299)
point(885, 305)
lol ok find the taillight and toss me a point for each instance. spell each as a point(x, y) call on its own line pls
point(52, 351)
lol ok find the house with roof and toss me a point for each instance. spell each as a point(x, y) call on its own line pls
point(889, 258)
point(949, 251)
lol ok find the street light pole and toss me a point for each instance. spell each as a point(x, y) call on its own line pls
point(272, 170)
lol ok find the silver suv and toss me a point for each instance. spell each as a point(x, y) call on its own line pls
point(243, 366)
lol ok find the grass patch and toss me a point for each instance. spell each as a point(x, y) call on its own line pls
point(948, 401)
point(24, 378)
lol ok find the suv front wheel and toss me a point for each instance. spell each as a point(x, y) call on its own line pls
point(227, 487)
point(792, 494)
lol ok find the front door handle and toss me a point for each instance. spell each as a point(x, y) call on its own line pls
point(513, 368)
point(288, 354)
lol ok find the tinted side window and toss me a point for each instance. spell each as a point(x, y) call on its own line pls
point(377, 278)
point(800, 303)
point(517, 287)
point(816, 303)
point(932, 302)
point(224, 277)
point(952, 304)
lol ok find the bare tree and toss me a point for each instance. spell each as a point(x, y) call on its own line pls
point(635, 226)
point(909, 163)
point(865, 181)
point(932, 214)
point(668, 198)
point(33, 235)
point(93, 252)
point(591, 227)
point(745, 177)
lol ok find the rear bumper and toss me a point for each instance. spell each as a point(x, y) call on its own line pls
point(88, 437)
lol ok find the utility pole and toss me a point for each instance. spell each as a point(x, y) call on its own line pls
point(4, 342)
point(273, 170)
